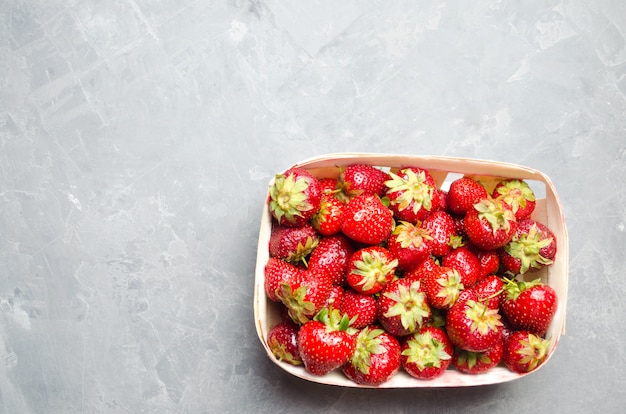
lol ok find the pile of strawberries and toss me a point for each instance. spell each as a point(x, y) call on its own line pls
point(377, 271)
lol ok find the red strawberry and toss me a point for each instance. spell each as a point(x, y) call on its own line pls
point(360, 179)
point(463, 194)
point(305, 297)
point(412, 194)
point(282, 341)
point(422, 270)
point(331, 256)
point(524, 351)
point(427, 353)
point(477, 362)
point(278, 271)
point(518, 195)
point(361, 309)
point(327, 219)
point(471, 325)
point(529, 306)
point(442, 287)
point(489, 291)
point(409, 244)
point(370, 269)
point(293, 244)
point(441, 228)
point(367, 220)
point(328, 185)
point(532, 247)
point(294, 197)
point(489, 262)
point(335, 298)
point(403, 307)
point(465, 262)
point(325, 343)
point(490, 224)
point(376, 358)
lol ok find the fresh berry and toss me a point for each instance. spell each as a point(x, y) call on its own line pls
point(422, 270)
point(282, 341)
point(328, 185)
point(463, 194)
point(518, 195)
point(335, 297)
point(529, 306)
point(293, 244)
point(277, 272)
point(327, 219)
point(361, 309)
point(370, 269)
point(305, 297)
point(490, 224)
point(533, 247)
point(524, 351)
point(489, 262)
point(465, 262)
point(489, 291)
point(325, 343)
point(403, 307)
point(294, 197)
point(332, 256)
point(412, 194)
point(427, 353)
point(471, 325)
point(409, 244)
point(367, 220)
point(442, 229)
point(477, 362)
point(376, 358)
point(360, 179)
point(442, 287)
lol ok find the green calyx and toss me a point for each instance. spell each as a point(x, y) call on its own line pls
point(483, 319)
point(472, 358)
point(413, 189)
point(368, 343)
point(533, 350)
point(496, 215)
point(411, 235)
point(334, 320)
point(514, 288)
point(302, 251)
point(450, 287)
point(299, 309)
point(516, 193)
point(425, 351)
point(373, 268)
point(280, 351)
point(288, 198)
point(410, 305)
point(527, 248)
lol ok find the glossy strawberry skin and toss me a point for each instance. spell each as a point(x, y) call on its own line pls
point(516, 194)
point(532, 309)
point(367, 220)
point(489, 291)
point(282, 340)
point(532, 247)
point(477, 362)
point(427, 353)
point(463, 194)
point(278, 271)
point(294, 206)
point(361, 309)
point(483, 234)
point(443, 287)
point(412, 193)
point(327, 219)
point(442, 229)
point(307, 296)
point(370, 269)
point(465, 262)
point(360, 179)
point(409, 244)
point(323, 351)
point(524, 351)
point(293, 244)
point(382, 364)
point(332, 256)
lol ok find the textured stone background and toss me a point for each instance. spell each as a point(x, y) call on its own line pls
point(137, 138)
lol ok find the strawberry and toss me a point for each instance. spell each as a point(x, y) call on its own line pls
point(463, 194)
point(489, 262)
point(376, 357)
point(471, 325)
point(489, 291)
point(524, 351)
point(422, 270)
point(295, 196)
point(277, 272)
point(335, 298)
point(529, 306)
point(442, 229)
point(532, 247)
point(367, 220)
point(293, 244)
point(359, 179)
point(327, 219)
point(332, 256)
point(403, 307)
point(325, 343)
point(370, 269)
point(465, 262)
point(409, 244)
point(305, 297)
point(516, 194)
point(490, 224)
point(412, 194)
point(477, 362)
point(282, 341)
point(328, 185)
point(361, 309)
point(427, 353)
point(442, 287)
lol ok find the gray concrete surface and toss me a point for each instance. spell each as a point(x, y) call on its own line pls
point(137, 138)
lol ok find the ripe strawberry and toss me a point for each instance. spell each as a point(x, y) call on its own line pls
point(489, 262)
point(328, 185)
point(294, 197)
point(327, 219)
point(376, 358)
point(359, 179)
point(332, 256)
point(442, 287)
point(367, 220)
point(325, 343)
point(370, 269)
point(422, 270)
point(441, 228)
point(427, 353)
point(465, 262)
point(477, 362)
point(490, 224)
point(532, 247)
point(529, 306)
point(361, 309)
point(277, 272)
point(282, 341)
point(412, 194)
point(471, 325)
point(293, 244)
point(335, 298)
point(409, 244)
point(403, 307)
point(463, 194)
point(524, 351)
point(489, 291)
point(518, 195)
point(305, 297)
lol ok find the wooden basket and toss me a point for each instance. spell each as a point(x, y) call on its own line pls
point(444, 170)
